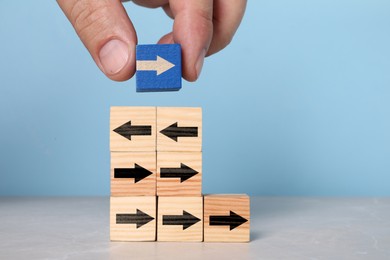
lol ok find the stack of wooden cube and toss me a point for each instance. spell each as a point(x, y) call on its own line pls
point(156, 180)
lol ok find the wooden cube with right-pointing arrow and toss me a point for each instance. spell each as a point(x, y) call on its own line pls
point(132, 129)
point(158, 67)
point(180, 219)
point(133, 174)
point(179, 174)
point(179, 129)
point(133, 218)
point(226, 218)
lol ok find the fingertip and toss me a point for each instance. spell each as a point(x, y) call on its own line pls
point(191, 72)
point(116, 59)
point(227, 18)
point(193, 29)
point(166, 39)
point(107, 32)
point(199, 63)
point(188, 74)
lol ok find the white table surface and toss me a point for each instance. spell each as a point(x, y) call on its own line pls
point(281, 228)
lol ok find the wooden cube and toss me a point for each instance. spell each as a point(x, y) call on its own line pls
point(158, 67)
point(179, 174)
point(132, 129)
point(133, 218)
point(180, 219)
point(226, 218)
point(179, 129)
point(133, 174)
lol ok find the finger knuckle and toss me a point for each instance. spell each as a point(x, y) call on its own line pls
point(84, 16)
point(205, 14)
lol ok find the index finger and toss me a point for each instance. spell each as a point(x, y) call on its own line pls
point(193, 30)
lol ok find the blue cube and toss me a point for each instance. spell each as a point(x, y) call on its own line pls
point(158, 67)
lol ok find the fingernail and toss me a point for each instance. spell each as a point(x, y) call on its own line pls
point(199, 62)
point(114, 56)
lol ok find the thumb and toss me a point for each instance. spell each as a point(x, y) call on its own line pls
point(107, 32)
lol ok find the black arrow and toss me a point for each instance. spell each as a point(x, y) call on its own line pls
point(127, 130)
point(234, 220)
point(184, 172)
point(138, 173)
point(186, 220)
point(140, 218)
point(173, 131)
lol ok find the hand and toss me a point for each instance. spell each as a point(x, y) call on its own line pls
point(202, 27)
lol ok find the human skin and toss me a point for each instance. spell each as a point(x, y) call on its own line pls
point(202, 27)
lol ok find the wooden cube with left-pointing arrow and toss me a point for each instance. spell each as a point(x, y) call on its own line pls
point(179, 129)
point(226, 218)
point(133, 218)
point(132, 129)
point(179, 174)
point(133, 174)
point(180, 219)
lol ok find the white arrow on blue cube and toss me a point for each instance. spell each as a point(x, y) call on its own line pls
point(158, 67)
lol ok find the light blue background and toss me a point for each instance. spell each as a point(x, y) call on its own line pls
point(298, 104)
